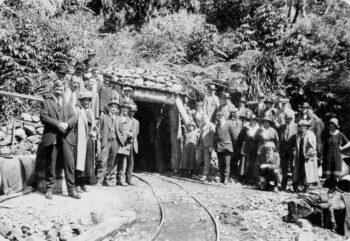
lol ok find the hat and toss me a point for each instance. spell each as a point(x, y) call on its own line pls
point(269, 144)
point(192, 124)
point(283, 100)
point(125, 105)
point(253, 117)
point(116, 102)
point(267, 118)
point(306, 105)
point(233, 109)
point(226, 95)
point(211, 87)
point(289, 114)
point(334, 121)
point(344, 184)
point(91, 52)
point(5, 151)
point(62, 69)
point(269, 100)
point(75, 79)
point(200, 104)
point(85, 95)
point(134, 108)
point(127, 88)
point(261, 96)
point(219, 114)
point(80, 66)
point(304, 123)
point(243, 99)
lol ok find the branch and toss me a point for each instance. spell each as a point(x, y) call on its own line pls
point(9, 9)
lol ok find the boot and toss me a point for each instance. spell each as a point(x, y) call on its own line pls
point(226, 181)
point(74, 194)
point(306, 189)
point(203, 179)
point(295, 188)
point(130, 182)
point(275, 189)
point(48, 195)
point(121, 182)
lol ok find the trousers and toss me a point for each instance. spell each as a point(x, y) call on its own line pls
point(60, 153)
point(224, 164)
point(204, 156)
point(107, 159)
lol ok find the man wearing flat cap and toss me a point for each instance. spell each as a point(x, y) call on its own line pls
point(210, 103)
point(126, 97)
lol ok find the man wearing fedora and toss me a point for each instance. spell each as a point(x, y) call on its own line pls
point(125, 137)
point(287, 133)
point(58, 138)
point(210, 103)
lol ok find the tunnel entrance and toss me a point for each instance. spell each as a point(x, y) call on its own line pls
point(154, 138)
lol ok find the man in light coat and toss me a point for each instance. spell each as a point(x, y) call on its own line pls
point(134, 150)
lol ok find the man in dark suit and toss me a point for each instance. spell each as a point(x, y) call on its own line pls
point(58, 138)
point(287, 135)
point(109, 144)
point(225, 137)
point(134, 146)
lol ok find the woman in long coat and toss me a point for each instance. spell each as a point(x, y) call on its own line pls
point(334, 142)
point(305, 158)
point(86, 143)
point(247, 165)
point(267, 133)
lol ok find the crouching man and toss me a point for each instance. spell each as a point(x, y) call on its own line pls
point(269, 167)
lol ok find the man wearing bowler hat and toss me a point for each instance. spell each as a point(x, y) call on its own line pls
point(109, 144)
point(210, 103)
point(126, 97)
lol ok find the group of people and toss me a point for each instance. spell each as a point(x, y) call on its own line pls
point(89, 127)
point(263, 144)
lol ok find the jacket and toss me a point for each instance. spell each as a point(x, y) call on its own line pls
point(310, 154)
point(288, 138)
point(125, 134)
point(49, 117)
point(224, 137)
point(206, 137)
point(106, 128)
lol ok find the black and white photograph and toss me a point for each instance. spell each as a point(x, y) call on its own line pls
point(174, 120)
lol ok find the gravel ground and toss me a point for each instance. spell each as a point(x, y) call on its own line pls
point(244, 213)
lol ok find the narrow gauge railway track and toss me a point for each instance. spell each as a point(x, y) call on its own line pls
point(183, 216)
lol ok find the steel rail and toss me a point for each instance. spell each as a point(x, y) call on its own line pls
point(217, 228)
point(162, 212)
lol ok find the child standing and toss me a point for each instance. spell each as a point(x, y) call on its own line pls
point(189, 152)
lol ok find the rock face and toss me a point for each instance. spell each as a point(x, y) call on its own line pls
point(27, 136)
point(146, 78)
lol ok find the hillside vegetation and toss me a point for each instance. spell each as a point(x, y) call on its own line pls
point(245, 47)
